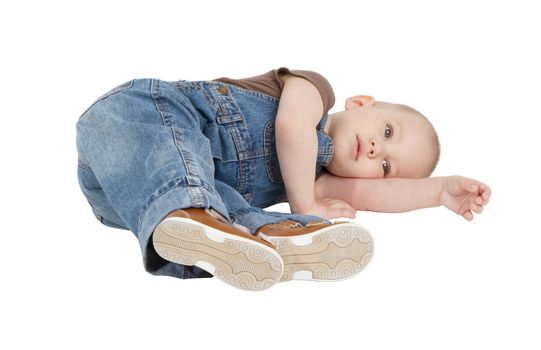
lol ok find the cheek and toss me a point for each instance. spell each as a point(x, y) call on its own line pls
point(369, 169)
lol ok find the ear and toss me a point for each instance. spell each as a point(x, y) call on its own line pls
point(358, 101)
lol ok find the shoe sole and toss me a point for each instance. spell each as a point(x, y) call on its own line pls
point(331, 254)
point(237, 261)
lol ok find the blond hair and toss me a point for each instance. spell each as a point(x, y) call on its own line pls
point(435, 142)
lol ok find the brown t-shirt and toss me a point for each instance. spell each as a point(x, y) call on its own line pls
point(272, 82)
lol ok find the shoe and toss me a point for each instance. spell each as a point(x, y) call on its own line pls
point(320, 251)
point(204, 238)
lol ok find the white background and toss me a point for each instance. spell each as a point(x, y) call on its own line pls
point(435, 282)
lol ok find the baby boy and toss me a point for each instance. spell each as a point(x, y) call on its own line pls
point(188, 167)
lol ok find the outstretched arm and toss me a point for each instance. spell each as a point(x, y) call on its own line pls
point(393, 195)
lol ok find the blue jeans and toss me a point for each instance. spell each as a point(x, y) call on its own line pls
point(147, 148)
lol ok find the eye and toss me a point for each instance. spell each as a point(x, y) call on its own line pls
point(388, 131)
point(386, 167)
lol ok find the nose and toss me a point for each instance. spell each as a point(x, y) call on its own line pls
point(374, 148)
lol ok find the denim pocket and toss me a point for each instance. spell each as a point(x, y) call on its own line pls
point(271, 156)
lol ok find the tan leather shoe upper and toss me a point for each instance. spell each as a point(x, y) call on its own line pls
point(291, 228)
point(217, 222)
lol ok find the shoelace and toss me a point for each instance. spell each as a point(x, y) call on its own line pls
point(294, 224)
point(287, 224)
point(320, 222)
point(224, 220)
point(217, 215)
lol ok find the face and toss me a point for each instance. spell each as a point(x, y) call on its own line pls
point(372, 141)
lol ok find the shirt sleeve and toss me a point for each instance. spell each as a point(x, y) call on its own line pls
point(319, 81)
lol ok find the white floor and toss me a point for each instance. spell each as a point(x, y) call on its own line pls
point(435, 282)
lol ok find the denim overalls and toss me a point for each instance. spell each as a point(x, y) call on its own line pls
point(148, 147)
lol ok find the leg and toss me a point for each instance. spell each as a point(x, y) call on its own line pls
point(321, 251)
point(103, 211)
point(142, 155)
point(195, 236)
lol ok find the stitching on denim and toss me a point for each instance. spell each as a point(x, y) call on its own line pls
point(244, 175)
point(235, 124)
point(185, 85)
point(213, 97)
point(83, 164)
point(268, 138)
point(252, 92)
point(158, 103)
point(197, 85)
point(252, 178)
point(271, 157)
point(190, 165)
point(166, 119)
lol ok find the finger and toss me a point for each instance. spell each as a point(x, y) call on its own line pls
point(485, 197)
point(340, 208)
point(348, 213)
point(476, 208)
point(344, 207)
point(340, 203)
point(485, 191)
point(480, 201)
point(344, 214)
point(349, 207)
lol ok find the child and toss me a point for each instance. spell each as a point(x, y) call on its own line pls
point(187, 166)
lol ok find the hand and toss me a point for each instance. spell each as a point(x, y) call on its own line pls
point(463, 195)
point(328, 208)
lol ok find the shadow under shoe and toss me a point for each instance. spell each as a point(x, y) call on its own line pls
point(320, 251)
point(202, 237)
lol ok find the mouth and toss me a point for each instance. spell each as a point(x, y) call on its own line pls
point(357, 148)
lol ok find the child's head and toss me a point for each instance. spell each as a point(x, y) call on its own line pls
point(395, 140)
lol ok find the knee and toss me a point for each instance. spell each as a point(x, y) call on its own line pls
point(87, 130)
point(90, 120)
